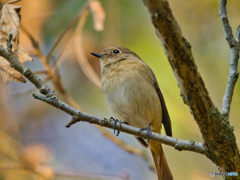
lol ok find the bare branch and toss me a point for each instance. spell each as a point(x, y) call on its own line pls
point(77, 115)
point(8, 55)
point(226, 25)
point(81, 116)
point(234, 45)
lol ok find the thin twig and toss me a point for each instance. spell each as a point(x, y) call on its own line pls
point(226, 25)
point(8, 55)
point(234, 45)
point(77, 115)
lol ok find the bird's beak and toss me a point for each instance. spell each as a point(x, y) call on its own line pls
point(98, 55)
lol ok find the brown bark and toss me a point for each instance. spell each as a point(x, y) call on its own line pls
point(217, 133)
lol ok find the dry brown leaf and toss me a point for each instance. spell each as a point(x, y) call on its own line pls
point(80, 54)
point(98, 14)
point(10, 24)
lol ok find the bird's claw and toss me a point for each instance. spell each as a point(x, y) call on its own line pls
point(114, 125)
point(149, 133)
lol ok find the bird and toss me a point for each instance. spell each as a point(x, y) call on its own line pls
point(132, 92)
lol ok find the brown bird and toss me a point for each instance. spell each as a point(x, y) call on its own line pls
point(133, 95)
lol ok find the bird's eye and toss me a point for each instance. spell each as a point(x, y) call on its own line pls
point(115, 51)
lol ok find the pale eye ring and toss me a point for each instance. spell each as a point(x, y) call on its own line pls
point(115, 51)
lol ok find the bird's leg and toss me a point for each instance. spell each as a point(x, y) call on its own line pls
point(149, 132)
point(114, 125)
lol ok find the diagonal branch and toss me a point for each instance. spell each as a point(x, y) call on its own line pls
point(217, 133)
point(77, 115)
point(234, 46)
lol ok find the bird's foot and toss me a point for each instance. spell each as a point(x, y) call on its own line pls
point(114, 125)
point(149, 133)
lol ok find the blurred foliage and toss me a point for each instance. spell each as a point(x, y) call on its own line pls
point(23, 120)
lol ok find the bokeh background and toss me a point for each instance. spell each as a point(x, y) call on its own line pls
point(34, 143)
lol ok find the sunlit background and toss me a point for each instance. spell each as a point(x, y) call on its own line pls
point(34, 143)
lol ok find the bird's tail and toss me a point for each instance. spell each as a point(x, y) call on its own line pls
point(163, 171)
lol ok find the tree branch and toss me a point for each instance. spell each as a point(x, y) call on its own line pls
point(216, 131)
point(14, 63)
point(81, 116)
point(234, 46)
point(78, 116)
point(228, 30)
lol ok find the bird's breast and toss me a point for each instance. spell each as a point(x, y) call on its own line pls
point(130, 94)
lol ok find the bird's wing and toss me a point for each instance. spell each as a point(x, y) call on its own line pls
point(165, 116)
